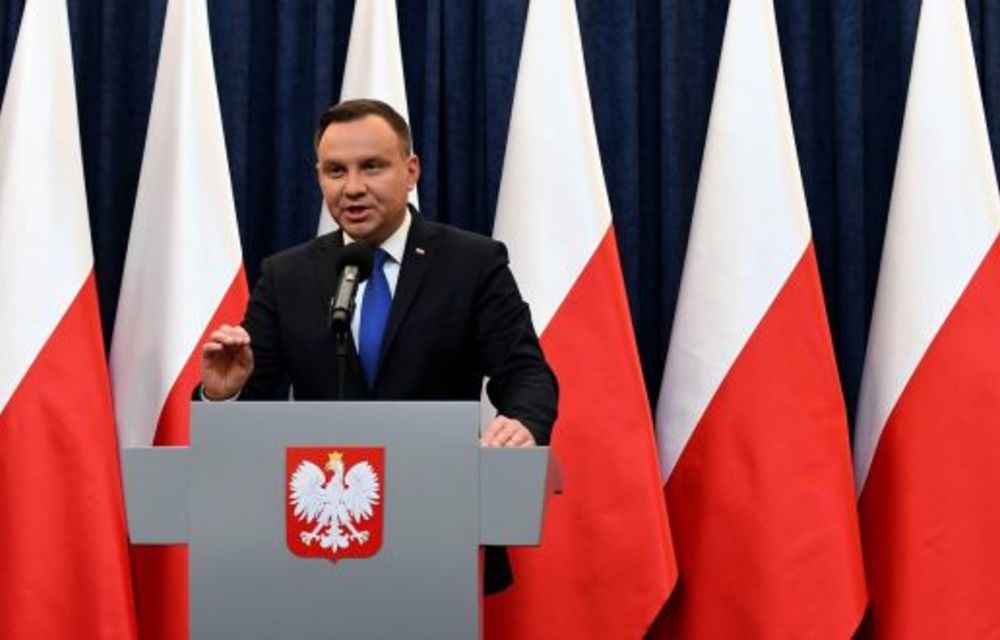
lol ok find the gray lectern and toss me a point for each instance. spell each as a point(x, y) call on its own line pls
point(335, 520)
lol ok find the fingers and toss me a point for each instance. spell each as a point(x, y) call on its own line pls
point(226, 341)
point(506, 432)
point(226, 362)
point(224, 337)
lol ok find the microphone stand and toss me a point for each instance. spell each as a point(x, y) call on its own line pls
point(340, 324)
point(340, 337)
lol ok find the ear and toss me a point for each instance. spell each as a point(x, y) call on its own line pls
point(413, 171)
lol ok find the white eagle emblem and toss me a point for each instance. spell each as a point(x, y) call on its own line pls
point(338, 504)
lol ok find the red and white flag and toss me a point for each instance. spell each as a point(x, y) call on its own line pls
point(927, 444)
point(374, 68)
point(751, 422)
point(64, 570)
point(183, 276)
point(606, 565)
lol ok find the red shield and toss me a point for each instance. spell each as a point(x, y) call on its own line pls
point(333, 501)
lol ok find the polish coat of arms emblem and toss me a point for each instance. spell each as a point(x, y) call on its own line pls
point(333, 506)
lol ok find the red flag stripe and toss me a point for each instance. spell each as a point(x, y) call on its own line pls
point(615, 519)
point(761, 501)
point(63, 565)
point(930, 502)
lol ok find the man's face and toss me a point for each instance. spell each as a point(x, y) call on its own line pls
point(365, 176)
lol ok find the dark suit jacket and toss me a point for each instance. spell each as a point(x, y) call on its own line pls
point(456, 317)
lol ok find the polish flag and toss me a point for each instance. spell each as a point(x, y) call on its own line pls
point(183, 277)
point(374, 69)
point(927, 445)
point(606, 565)
point(752, 426)
point(64, 570)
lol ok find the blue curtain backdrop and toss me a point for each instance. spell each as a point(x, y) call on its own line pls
point(651, 66)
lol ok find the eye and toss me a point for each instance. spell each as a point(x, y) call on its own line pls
point(334, 171)
point(372, 166)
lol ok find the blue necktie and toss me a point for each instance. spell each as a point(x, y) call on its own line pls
point(374, 316)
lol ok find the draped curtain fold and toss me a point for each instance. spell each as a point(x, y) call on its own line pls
point(651, 66)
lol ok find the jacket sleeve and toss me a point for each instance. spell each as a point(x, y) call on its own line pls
point(521, 384)
point(269, 380)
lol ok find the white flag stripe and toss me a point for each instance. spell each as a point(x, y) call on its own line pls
point(44, 229)
point(552, 168)
point(373, 69)
point(374, 66)
point(750, 226)
point(184, 250)
point(943, 218)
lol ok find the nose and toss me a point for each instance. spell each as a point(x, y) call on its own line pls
point(354, 184)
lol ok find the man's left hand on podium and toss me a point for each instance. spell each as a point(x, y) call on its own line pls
point(506, 432)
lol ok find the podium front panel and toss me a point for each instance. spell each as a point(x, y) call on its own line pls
point(245, 581)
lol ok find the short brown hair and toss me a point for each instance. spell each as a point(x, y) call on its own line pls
point(351, 110)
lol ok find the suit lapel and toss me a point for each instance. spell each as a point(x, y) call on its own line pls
point(325, 258)
point(416, 261)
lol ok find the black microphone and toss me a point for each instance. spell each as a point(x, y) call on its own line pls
point(354, 265)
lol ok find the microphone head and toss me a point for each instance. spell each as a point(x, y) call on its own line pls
point(357, 255)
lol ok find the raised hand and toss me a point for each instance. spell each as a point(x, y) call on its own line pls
point(226, 362)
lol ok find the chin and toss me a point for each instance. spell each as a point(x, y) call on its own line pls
point(362, 234)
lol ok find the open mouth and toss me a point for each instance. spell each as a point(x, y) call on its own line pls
point(356, 212)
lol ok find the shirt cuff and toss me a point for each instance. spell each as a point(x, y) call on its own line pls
point(204, 398)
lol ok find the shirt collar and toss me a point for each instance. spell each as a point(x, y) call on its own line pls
point(394, 245)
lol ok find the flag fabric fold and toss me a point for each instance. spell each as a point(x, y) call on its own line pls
point(64, 570)
point(183, 276)
point(926, 440)
point(751, 423)
point(605, 565)
point(373, 69)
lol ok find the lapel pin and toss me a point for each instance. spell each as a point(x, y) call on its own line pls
point(419, 251)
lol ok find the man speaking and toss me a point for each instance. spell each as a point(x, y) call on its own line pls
point(439, 312)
